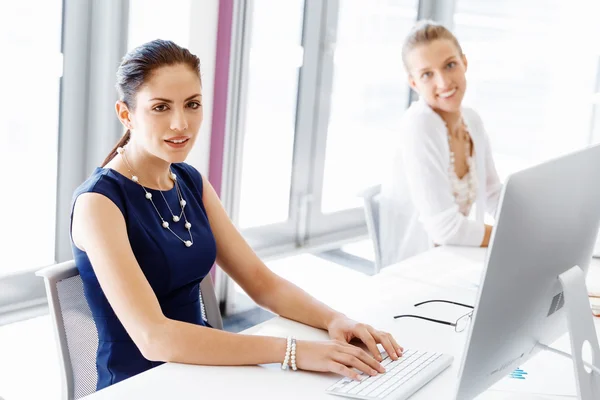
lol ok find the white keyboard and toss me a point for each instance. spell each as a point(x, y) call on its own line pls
point(402, 378)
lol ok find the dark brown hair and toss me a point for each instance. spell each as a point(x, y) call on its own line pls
point(137, 67)
point(426, 31)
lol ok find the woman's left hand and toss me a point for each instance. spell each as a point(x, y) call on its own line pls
point(345, 329)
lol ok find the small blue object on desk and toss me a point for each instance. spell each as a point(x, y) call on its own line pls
point(518, 374)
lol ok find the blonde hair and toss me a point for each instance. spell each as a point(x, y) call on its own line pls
point(424, 32)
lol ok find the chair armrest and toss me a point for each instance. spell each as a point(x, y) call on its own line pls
point(58, 272)
point(370, 192)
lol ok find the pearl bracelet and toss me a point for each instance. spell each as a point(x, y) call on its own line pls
point(290, 354)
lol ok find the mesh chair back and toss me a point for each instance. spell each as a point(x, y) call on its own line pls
point(76, 332)
point(81, 336)
point(74, 329)
point(210, 304)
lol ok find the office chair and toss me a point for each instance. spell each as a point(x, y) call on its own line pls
point(76, 333)
point(371, 198)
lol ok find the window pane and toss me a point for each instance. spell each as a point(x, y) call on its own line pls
point(30, 37)
point(270, 116)
point(531, 74)
point(368, 97)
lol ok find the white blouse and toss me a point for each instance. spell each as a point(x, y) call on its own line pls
point(418, 206)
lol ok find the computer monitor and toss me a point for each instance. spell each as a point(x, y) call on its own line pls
point(547, 223)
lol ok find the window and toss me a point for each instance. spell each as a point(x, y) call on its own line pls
point(269, 131)
point(320, 100)
point(30, 72)
point(531, 75)
point(368, 97)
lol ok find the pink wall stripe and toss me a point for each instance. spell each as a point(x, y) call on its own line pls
point(219, 115)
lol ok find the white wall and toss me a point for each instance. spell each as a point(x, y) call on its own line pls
point(204, 17)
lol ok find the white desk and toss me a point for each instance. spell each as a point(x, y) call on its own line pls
point(440, 273)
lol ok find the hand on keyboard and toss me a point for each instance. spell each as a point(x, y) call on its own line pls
point(402, 378)
point(345, 329)
point(336, 356)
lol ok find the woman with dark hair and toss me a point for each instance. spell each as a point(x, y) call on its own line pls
point(146, 228)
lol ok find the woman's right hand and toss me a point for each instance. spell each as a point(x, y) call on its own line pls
point(335, 356)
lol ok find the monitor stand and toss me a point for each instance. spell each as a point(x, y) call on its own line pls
point(581, 328)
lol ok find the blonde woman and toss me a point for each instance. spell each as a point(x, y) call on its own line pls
point(443, 170)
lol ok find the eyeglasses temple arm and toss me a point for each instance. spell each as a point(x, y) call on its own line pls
point(443, 301)
point(425, 318)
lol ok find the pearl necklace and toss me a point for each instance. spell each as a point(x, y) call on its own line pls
point(182, 202)
point(456, 182)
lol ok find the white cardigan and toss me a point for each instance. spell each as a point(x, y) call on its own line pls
point(417, 207)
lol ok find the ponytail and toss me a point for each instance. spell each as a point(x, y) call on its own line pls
point(113, 152)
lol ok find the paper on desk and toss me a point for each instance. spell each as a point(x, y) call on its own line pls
point(593, 280)
point(546, 373)
point(469, 278)
point(444, 269)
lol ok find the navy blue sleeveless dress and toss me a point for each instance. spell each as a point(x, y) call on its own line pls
point(173, 270)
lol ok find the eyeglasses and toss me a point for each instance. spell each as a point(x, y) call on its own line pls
point(459, 325)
